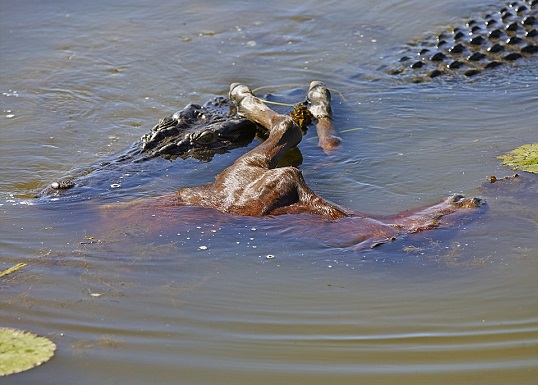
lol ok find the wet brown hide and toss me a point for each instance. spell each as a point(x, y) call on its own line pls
point(253, 186)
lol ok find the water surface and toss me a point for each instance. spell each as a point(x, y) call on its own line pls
point(200, 302)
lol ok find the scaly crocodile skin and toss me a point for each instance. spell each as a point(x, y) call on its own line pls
point(495, 39)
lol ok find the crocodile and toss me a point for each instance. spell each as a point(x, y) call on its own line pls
point(497, 38)
point(196, 131)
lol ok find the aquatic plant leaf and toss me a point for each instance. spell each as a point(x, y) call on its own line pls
point(13, 269)
point(523, 158)
point(21, 350)
point(302, 116)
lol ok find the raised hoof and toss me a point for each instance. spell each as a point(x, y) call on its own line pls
point(319, 98)
point(238, 92)
point(248, 105)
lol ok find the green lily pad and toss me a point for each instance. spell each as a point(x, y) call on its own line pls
point(20, 351)
point(523, 158)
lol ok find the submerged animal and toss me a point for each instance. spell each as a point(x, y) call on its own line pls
point(254, 186)
point(257, 184)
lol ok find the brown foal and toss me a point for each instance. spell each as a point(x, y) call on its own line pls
point(254, 186)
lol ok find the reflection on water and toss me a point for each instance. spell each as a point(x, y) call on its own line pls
point(214, 299)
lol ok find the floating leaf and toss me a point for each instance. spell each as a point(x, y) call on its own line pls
point(13, 269)
point(20, 351)
point(522, 158)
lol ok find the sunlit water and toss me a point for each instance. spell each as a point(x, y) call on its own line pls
point(200, 302)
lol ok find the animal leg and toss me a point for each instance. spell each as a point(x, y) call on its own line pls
point(248, 186)
point(284, 133)
point(430, 217)
point(291, 184)
point(320, 106)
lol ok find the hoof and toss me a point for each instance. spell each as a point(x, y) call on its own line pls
point(238, 92)
point(315, 84)
point(319, 98)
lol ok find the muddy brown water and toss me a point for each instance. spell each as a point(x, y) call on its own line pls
point(201, 302)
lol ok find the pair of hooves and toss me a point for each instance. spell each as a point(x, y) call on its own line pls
point(318, 95)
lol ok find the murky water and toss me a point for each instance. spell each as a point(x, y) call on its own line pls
point(197, 301)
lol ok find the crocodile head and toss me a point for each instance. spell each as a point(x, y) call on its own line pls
point(198, 132)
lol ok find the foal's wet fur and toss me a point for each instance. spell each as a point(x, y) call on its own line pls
point(254, 186)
